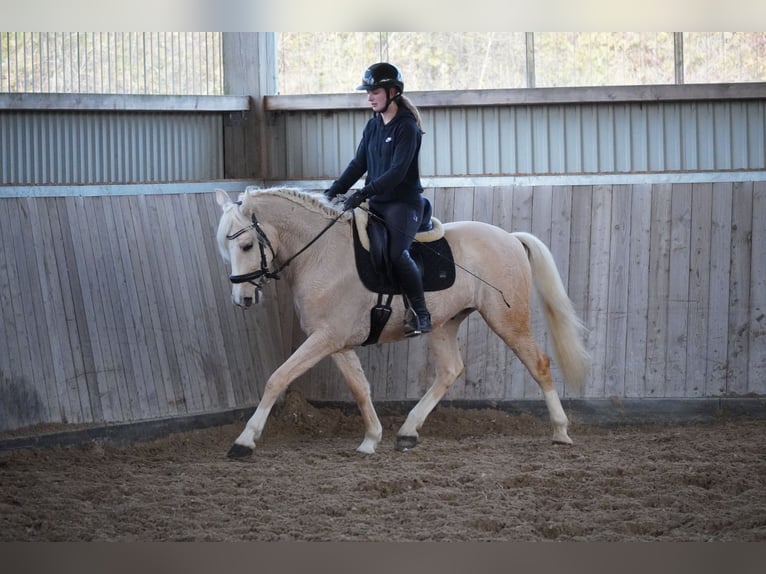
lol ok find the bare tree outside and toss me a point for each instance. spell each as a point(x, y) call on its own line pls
point(603, 58)
point(111, 62)
point(724, 57)
point(190, 63)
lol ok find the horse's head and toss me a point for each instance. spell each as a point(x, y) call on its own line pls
point(244, 242)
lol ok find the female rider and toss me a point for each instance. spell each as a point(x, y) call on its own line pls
point(388, 153)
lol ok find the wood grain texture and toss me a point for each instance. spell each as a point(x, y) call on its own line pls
point(117, 308)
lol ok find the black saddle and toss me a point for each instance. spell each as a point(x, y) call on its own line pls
point(434, 259)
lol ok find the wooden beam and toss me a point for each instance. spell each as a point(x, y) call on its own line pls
point(249, 71)
point(529, 96)
point(122, 102)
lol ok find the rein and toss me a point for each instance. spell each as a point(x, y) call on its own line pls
point(264, 271)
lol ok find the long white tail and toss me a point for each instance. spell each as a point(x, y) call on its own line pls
point(564, 326)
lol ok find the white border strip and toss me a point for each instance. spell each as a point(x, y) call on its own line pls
point(230, 185)
point(562, 179)
point(601, 179)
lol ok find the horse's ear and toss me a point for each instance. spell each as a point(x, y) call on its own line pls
point(222, 197)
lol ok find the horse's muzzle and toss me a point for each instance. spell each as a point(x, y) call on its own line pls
point(247, 300)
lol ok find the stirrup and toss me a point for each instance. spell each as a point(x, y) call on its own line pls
point(415, 325)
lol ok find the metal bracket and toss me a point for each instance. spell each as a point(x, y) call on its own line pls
point(235, 119)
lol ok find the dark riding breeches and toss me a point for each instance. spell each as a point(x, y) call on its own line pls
point(402, 221)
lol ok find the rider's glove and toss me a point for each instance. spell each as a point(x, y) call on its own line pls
point(357, 198)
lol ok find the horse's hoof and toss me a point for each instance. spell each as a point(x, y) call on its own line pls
point(237, 451)
point(562, 442)
point(406, 442)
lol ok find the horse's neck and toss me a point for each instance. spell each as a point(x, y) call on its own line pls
point(295, 232)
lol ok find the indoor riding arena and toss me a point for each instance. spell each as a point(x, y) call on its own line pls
point(127, 373)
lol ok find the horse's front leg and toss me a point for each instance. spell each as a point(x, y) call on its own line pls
point(313, 349)
point(447, 364)
point(351, 368)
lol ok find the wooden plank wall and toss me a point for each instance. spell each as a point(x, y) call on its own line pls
point(669, 279)
point(118, 309)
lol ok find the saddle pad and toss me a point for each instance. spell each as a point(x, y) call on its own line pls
point(437, 266)
point(433, 232)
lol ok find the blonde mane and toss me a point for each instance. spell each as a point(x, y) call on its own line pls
point(315, 202)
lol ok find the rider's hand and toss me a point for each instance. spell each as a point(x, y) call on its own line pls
point(356, 199)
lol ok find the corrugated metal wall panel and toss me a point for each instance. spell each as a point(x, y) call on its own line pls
point(105, 147)
point(755, 124)
point(545, 139)
point(95, 147)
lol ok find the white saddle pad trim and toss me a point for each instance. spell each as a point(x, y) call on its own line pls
point(361, 216)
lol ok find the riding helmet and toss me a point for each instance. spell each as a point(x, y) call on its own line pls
point(382, 75)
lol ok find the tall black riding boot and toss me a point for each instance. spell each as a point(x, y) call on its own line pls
point(417, 318)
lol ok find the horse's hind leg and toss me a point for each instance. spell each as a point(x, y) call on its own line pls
point(516, 333)
point(351, 368)
point(448, 365)
point(539, 365)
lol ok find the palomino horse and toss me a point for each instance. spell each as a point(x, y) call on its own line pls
point(308, 241)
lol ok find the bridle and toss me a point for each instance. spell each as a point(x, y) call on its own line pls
point(263, 242)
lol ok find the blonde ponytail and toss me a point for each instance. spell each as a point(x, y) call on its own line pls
point(405, 101)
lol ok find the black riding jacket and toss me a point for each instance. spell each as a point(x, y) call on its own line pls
point(388, 153)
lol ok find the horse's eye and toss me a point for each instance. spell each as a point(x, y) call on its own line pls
point(247, 247)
